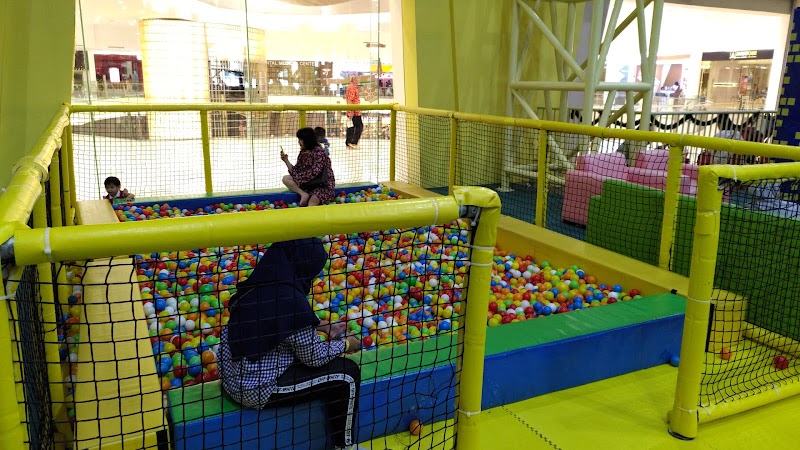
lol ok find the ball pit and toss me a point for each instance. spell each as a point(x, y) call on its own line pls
point(389, 287)
point(69, 333)
point(135, 212)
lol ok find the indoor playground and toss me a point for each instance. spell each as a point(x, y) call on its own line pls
point(514, 282)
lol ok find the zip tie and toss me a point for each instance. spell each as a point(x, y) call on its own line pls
point(734, 173)
point(689, 411)
point(691, 299)
point(435, 212)
point(47, 250)
point(775, 388)
point(469, 413)
point(708, 413)
point(11, 296)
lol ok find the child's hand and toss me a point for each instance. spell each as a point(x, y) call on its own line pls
point(284, 157)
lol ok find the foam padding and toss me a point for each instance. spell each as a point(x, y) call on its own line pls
point(118, 399)
point(627, 218)
point(581, 348)
point(95, 212)
point(600, 343)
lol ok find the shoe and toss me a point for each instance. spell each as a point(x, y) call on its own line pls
point(354, 146)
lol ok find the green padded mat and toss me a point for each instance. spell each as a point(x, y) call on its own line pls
point(753, 247)
point(206, 399)
point(626, 219)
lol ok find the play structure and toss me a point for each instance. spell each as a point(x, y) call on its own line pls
point(463, 304)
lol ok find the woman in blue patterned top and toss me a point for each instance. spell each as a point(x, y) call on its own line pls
point(270, 352)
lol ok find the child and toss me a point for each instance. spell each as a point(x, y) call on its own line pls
point(113, 187)
point(312, 177)
point(322, 140)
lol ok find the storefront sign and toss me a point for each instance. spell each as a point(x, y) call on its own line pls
point(738, 55)
point(745, 54)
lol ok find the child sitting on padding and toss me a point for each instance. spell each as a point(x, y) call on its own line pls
point(115, 191)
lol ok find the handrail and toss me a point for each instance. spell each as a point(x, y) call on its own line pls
point(247, 107)
point(674, 139)
point(25, 186)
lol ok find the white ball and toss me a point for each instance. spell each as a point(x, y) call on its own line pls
point(445, 297)
point(170, 310)
point(368, 322)
point(433, 282)
point(73, 357)
point(553, 307)
point(613, 294)
point(194, 303)
point(205, 328)
point(189, 325)
point(149, 309)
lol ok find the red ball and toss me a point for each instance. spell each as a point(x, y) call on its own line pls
point(633, 292)
point(493, 307)
point(180, 371)
point(780, 362)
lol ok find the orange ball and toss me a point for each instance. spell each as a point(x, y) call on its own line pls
point(208, 357)
point(415, 428)
point(725, 353)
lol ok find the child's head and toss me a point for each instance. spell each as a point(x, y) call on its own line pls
point(112, 185)
point(320, 132)
point(306, 138)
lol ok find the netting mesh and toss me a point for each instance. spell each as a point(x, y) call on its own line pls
point(28, 338)
point(146, 346)
point(423, 151)
point(161, 153)
point(755, 322)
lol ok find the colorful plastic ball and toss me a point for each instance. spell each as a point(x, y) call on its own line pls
point(675, 360)
point(415, 428)
point(725, 353)
point(780, 362)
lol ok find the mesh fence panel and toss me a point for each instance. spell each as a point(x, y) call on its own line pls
point(28, 336)
point(145, 342)
point(153, 153)
point(423, 151)
point(161, 153)
point(755, 322)
point(502, 158)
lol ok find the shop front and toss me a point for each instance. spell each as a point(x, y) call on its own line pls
point(736, 79)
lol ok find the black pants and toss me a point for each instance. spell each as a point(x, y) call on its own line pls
point(354, 132)
point(336, 384)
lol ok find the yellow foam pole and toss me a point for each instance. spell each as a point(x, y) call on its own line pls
point(56, 216)
point(541, 181)
point(684, 415)
point(81, 243)
point(67, 179)
point(453, 155)
point(206, 152)
point(473, 334)
point(392, 145)
point(671, 193)
point(11, 428)
point(54, 370)
point(302, 119)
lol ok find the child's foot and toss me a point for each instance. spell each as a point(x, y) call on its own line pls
point(304, 198)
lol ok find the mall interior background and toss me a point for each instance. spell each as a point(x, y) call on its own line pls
point(279, 52)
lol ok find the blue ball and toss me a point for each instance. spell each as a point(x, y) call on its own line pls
point(195, 369)
point(176, 382)
point(675, 360)
point(617, 288)
point(444, 325)
point(160, 304)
